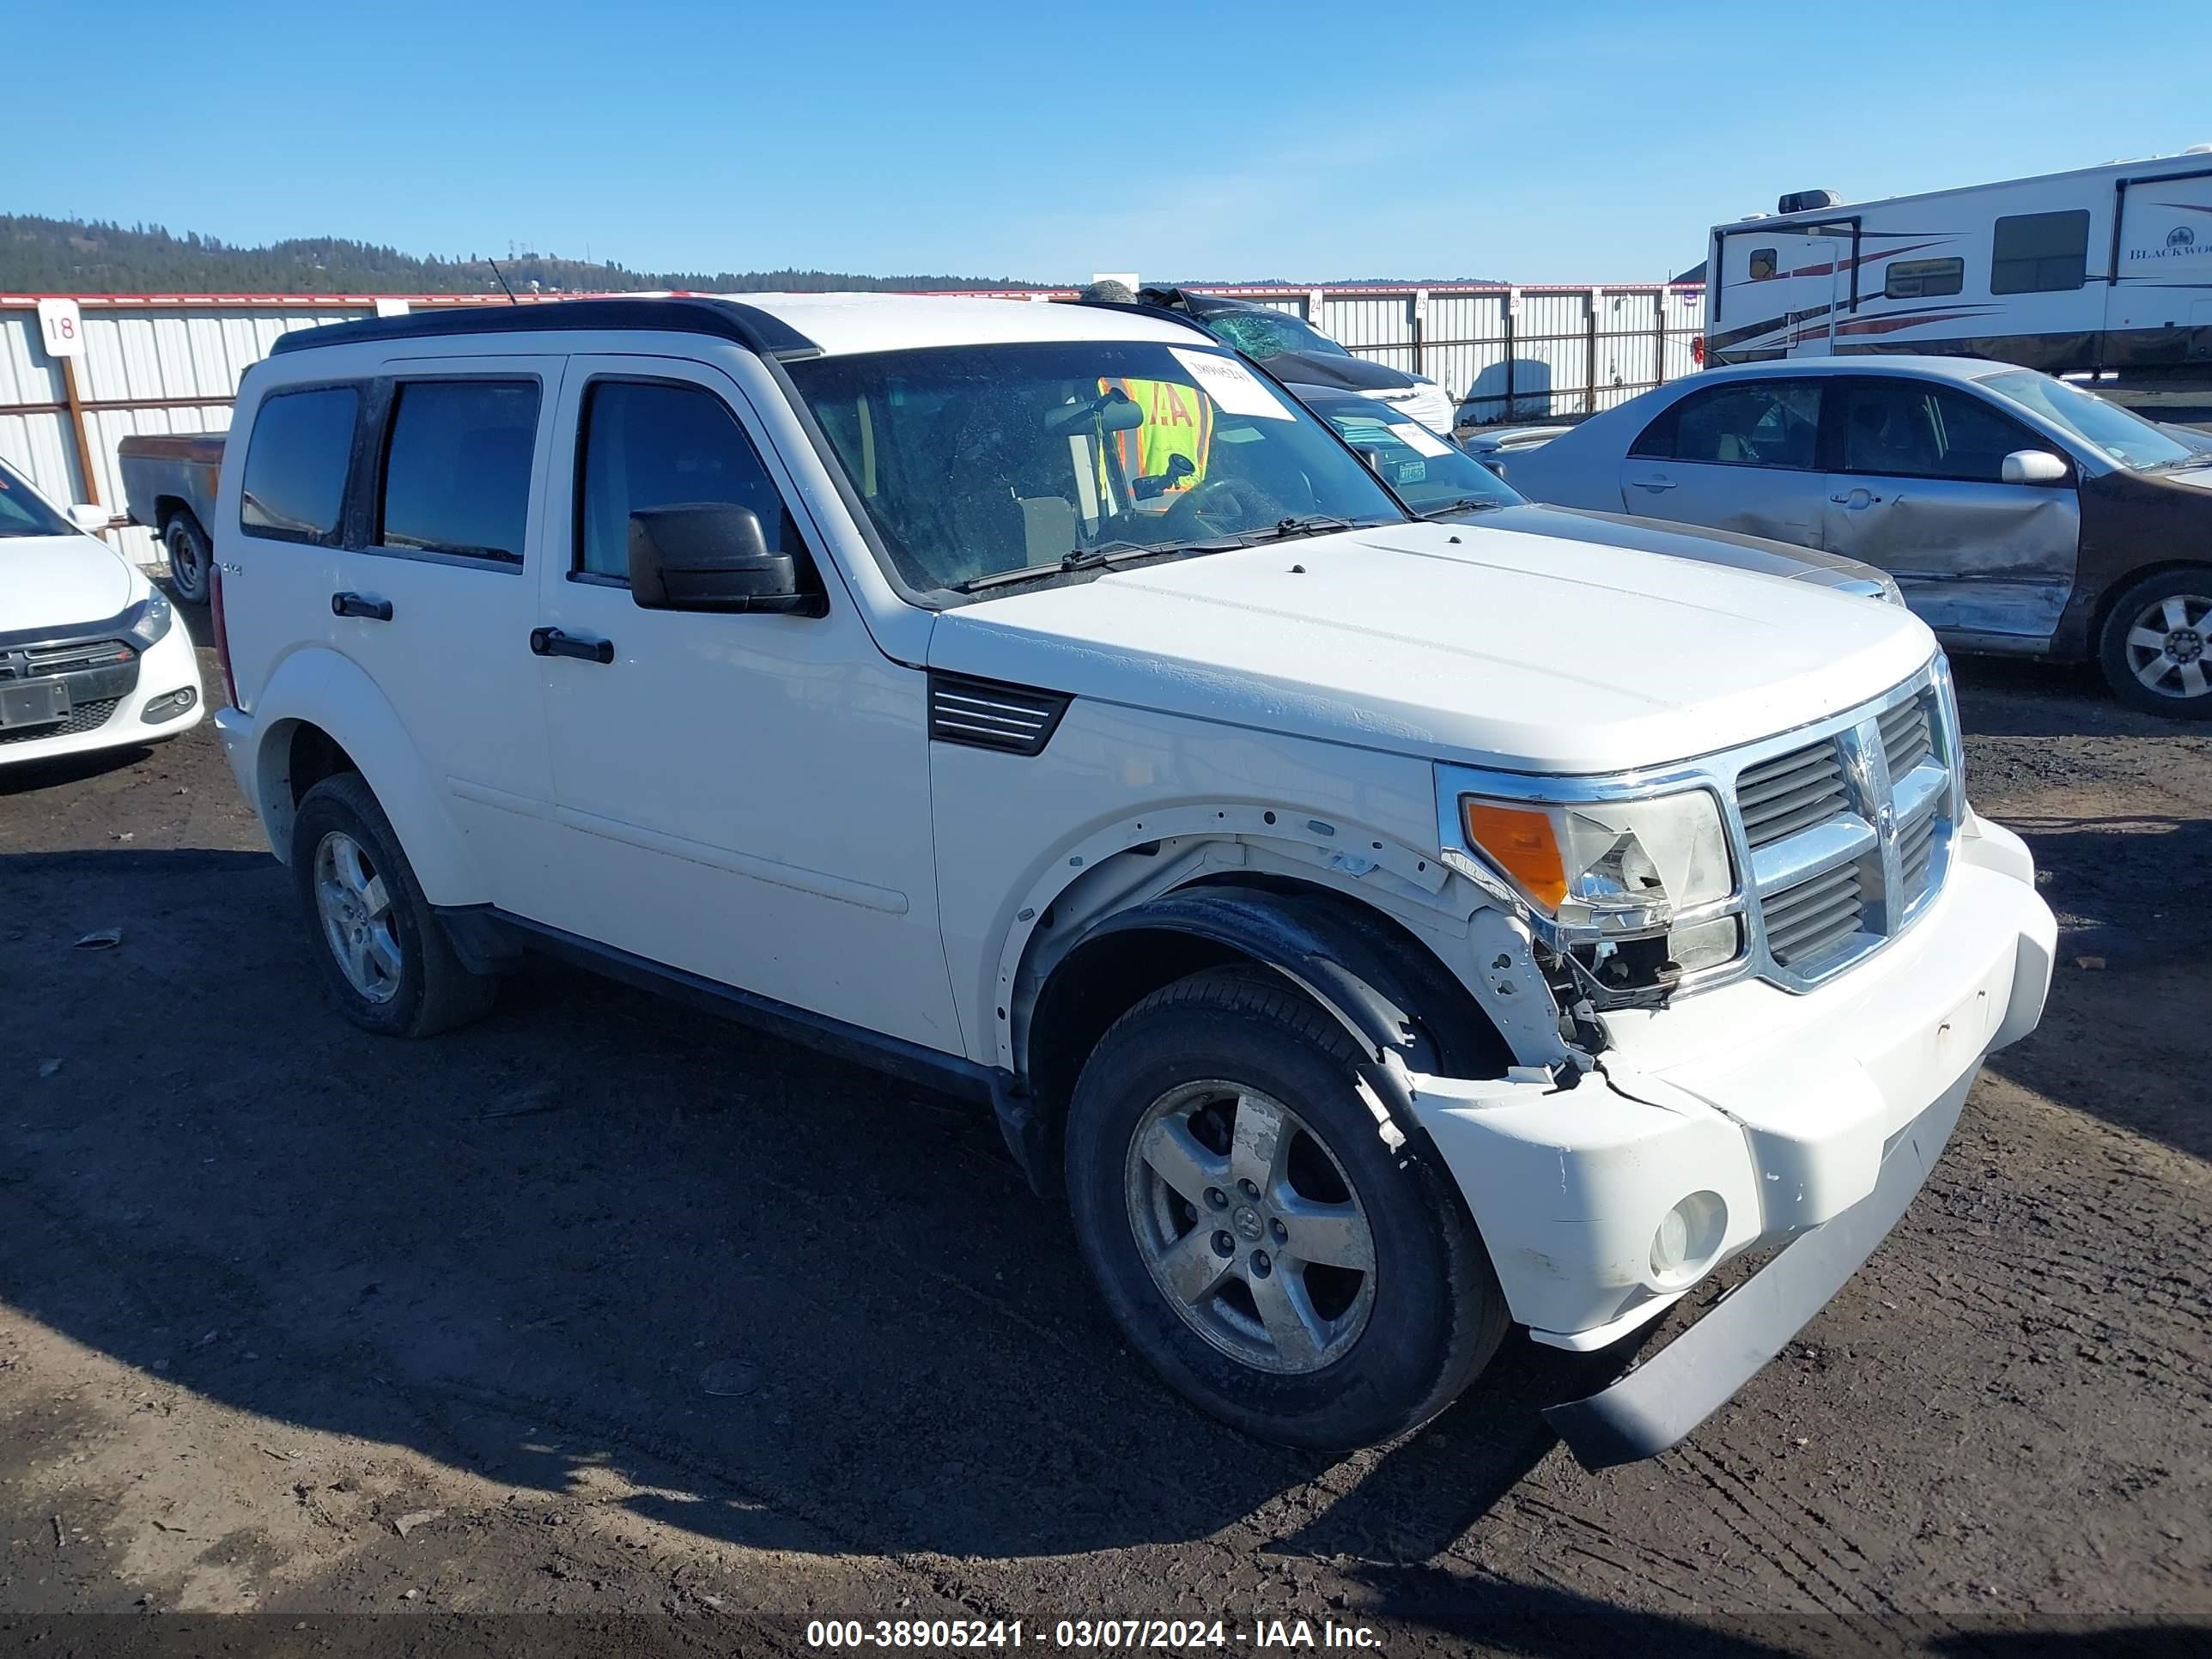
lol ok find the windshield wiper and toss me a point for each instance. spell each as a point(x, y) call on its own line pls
point(1466, 504)
point(1106, 555)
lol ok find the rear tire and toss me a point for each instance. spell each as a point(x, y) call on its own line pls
point(2156, 645)
point(384, 954)
point(190, 556)
point(1391, 1314)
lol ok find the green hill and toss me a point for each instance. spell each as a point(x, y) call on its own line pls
point(76, 256)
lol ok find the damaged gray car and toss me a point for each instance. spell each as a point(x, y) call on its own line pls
point(2016, 513)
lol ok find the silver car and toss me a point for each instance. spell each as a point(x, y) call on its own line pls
point(2017, 513)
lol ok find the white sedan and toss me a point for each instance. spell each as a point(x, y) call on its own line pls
point(91, 653)
point(2017, 513)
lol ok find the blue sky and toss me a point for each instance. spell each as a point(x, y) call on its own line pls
point(1580, 143)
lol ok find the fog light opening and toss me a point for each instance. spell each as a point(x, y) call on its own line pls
point(169, 706)
point(1687, 1238)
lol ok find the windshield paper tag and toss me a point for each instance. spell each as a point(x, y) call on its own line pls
point(1419, 437)
point(1233, 387)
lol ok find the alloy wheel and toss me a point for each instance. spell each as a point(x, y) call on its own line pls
point(2166, 646)
point(1250, 1227)
point(355, 906)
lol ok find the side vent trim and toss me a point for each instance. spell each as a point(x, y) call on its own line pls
point(1015, 719)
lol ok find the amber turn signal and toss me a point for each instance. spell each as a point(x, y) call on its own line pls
point(1519, 842)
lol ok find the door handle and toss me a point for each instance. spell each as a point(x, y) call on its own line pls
point(361, 606)
point(552, 642)
point(1655, 485)
point(1858, 498)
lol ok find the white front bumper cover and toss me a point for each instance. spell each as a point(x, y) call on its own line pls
point(1807, 1121)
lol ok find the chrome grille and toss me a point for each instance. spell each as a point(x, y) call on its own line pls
point(1849, 836)
point(1791, 793)
point(1905, 739)
point(1804, 923)
point(1916, 852)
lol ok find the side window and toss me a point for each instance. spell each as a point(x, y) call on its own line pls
point(297, 462)
point(457, 468)
point(1763, 263)
point(1656, 441)
point(650, 444)
point(1923, 279)
point(1908, 429)
point(2039, 253)
point(1751, 423)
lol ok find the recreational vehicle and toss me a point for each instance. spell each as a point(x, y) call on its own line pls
point(2104, 269)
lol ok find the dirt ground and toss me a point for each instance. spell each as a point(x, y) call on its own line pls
point(684, 1337)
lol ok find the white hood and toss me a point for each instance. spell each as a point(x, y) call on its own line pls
point(1453, 642)
point(60, 582)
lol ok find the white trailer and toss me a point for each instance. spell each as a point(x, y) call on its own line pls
point(2106, 270)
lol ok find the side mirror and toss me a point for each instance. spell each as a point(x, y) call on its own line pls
point(712, 555)
point(90, 518)
point(2033, 466)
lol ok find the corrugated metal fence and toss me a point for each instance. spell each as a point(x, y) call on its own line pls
point(171, 363)
point(1512, 353)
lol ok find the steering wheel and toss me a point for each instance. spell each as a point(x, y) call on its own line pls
point(1221, 506)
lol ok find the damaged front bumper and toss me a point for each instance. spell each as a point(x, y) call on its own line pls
point(1748, 1118)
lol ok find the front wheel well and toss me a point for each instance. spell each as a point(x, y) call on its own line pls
point(1102, 978)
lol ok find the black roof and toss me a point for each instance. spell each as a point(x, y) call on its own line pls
point(759, 332)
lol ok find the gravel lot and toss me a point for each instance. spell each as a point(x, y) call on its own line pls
point(688, 1336)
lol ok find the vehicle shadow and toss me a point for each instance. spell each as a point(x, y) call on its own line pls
point(2128, 892)
point(24, 777)
point(792, 1304)
point(2027, 697)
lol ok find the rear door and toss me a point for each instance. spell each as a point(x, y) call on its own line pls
point(1916, 486)
point(1740, 456)
point(434, 599)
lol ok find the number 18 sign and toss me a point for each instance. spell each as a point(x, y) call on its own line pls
point(62, 328)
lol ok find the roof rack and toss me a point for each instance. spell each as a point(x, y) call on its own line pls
point(759, 332)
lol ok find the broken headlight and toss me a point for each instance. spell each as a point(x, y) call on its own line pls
point(1616, 867)
point(1636, 893)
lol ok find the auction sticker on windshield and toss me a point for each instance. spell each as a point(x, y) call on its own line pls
point(1233, 387)
point(1419, 439)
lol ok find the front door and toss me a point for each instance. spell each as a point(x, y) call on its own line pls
point(1740, 456)
point(1916, 486)
point(745, 797)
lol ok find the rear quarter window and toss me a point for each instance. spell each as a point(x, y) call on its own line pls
point(296, 464)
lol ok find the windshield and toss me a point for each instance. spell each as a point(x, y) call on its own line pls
point(2128, 439)
point(1260, 333)
point(976, 461)
point(1428, 473)
point(23, 514)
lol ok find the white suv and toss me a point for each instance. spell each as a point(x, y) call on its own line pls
point(1370, 933)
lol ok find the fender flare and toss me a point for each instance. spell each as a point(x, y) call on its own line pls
point(1340, 955)
point(318, 687)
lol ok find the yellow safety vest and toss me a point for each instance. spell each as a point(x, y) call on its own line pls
point(1178, 421)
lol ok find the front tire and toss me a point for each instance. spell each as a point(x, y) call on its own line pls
point(2156, 647)
point(190, 558)
point(384, 954)
point(1252, 1234)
